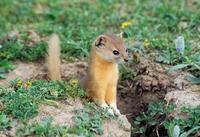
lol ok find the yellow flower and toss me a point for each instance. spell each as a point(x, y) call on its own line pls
point(74, 82)
point(28, 83)
point(125, 24)
point(19, 83)
point(146, 43)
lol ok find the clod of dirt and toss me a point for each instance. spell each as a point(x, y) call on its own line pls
point(151, 77)
point(179, 80)
point(185, 94)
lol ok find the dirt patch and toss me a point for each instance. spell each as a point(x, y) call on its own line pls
point(68, 70)
point(77, 69)
point(23, 70)
point(33, 70)
point(182, 98)
point(62, 113)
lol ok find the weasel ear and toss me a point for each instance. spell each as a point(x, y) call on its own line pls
point(100, 41)
point(120, 35)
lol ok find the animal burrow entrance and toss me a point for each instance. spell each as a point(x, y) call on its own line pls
point(150, 85)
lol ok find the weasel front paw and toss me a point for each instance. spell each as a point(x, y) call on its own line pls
point(107, 108)
point(116, 111)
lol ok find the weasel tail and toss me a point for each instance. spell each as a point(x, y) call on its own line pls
point(53, 58)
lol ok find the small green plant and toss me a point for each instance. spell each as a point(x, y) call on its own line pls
point(126, 73)
point(20, 105)
point(5, 122)
point(5, 66)
point(174, 131)
point(89, 120)
point(157, 115)
point(43, 128)
point(194, 80)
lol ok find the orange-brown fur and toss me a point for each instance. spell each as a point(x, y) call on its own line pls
point(102, 79)
point(102, 75)
point(53, 58)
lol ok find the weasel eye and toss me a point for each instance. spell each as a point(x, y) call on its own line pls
point(115, 52)
point(126, 50)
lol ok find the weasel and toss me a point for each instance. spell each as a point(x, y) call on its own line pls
point(102, 75)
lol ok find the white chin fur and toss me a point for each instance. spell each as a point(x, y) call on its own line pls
point(107, 58)
point(119, 61)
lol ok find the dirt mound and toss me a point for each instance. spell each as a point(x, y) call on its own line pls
point(151, 77)
point(150, 85)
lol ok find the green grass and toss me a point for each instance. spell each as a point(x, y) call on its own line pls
point(43, 128)
point(5, 122)
point(89, 120)
point(22, 100)
point(79, 22)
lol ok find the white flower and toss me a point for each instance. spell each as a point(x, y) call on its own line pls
point(180, 44)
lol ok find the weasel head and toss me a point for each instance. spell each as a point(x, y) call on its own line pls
point(111, 48)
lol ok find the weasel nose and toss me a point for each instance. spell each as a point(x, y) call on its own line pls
point(126, 60)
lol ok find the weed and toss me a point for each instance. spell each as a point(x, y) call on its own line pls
point(157, 116)
point(89, 120)
point(126, 73)
point(43, 128)
point(5, 66)
point(5, 122)
point(193, 79)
